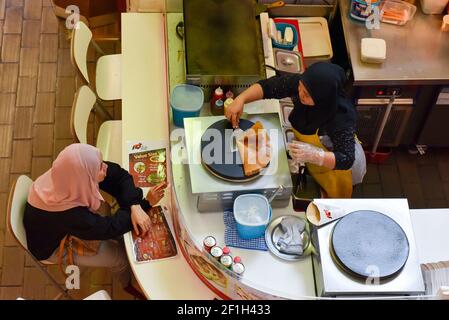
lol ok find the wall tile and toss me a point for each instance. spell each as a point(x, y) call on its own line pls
point(7, 107)
point(47, 77)
point(6, 140)
point(26, 92)
point(45, 108)
point(13, 20)
point(21, 156)
point(43, 133)
point(23, 122)
point(49, 23)
point(49, 48)
point(13, 263)
point(31, 34)
point(29, 62)
point(9, 78)
point(32, 9)
point(11, 48)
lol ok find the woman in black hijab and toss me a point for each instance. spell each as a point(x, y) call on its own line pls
point(324, 121)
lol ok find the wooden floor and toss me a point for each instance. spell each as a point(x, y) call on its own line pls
point(37, 87)
point(36, 91)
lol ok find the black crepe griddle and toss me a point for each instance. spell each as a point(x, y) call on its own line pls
point(363, 239)
point(228, 165)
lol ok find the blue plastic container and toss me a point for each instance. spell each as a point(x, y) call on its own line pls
point(186, 101)
point(359, 8)
point(252, 213)
point(281, 27)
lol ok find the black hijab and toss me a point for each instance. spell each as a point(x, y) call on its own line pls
point(332, 110)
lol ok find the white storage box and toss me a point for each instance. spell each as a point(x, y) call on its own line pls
point(373, 50)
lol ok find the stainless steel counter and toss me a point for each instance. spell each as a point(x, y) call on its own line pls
point(417, 52)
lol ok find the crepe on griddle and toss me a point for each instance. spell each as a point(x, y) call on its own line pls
point(254, 149)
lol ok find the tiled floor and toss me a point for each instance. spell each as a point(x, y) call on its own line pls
point(424, 180)
point(37, 87)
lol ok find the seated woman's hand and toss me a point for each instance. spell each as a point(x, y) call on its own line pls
point(156, 193)
point(140, 219)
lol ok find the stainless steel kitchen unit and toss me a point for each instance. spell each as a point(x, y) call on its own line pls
point(417, 52)
point(215, 194)
point(223, 44)
point(333, 281)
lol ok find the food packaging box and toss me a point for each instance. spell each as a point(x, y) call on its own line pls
point(397, 12)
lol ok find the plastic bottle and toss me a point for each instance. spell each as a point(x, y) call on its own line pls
point(218, 108)
point(227, 103)
point(229, 94)
point(217, 95)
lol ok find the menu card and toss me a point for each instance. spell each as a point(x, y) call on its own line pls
point(158, 243)
point(148, 167)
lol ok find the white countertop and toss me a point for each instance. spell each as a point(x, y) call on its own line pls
point(265, 272)
point(431, 228)
point(145, 117)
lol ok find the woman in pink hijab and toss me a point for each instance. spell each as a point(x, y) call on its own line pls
point(65, 200)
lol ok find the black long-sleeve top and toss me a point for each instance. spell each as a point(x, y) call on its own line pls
point(45, 230)
point(343, 140)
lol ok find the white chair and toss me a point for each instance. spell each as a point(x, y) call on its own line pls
point(99, 295)
point(109, 137)
point(16, 207)
point(108, 72)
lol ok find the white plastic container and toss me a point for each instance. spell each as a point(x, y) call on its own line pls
point(397, 12)
point(373, 50)
point(433, 6)
point(252, 212)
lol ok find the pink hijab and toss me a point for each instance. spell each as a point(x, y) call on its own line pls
point(71, 181)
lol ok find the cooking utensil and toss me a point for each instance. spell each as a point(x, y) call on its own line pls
point(288, 61)
point(275, 193)
point(260, 7)
point(368, 243)
point(229, 166)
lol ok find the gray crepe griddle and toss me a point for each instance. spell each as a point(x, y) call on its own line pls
point(363, 239)
point(228, 165)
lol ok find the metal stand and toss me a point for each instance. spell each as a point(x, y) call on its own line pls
point(101, 110)
point(63, 292)
point(384, 122)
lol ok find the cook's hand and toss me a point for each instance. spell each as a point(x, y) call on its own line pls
point(155, 194)
point(305, 152)
point(234, 112)
point(140, 219)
